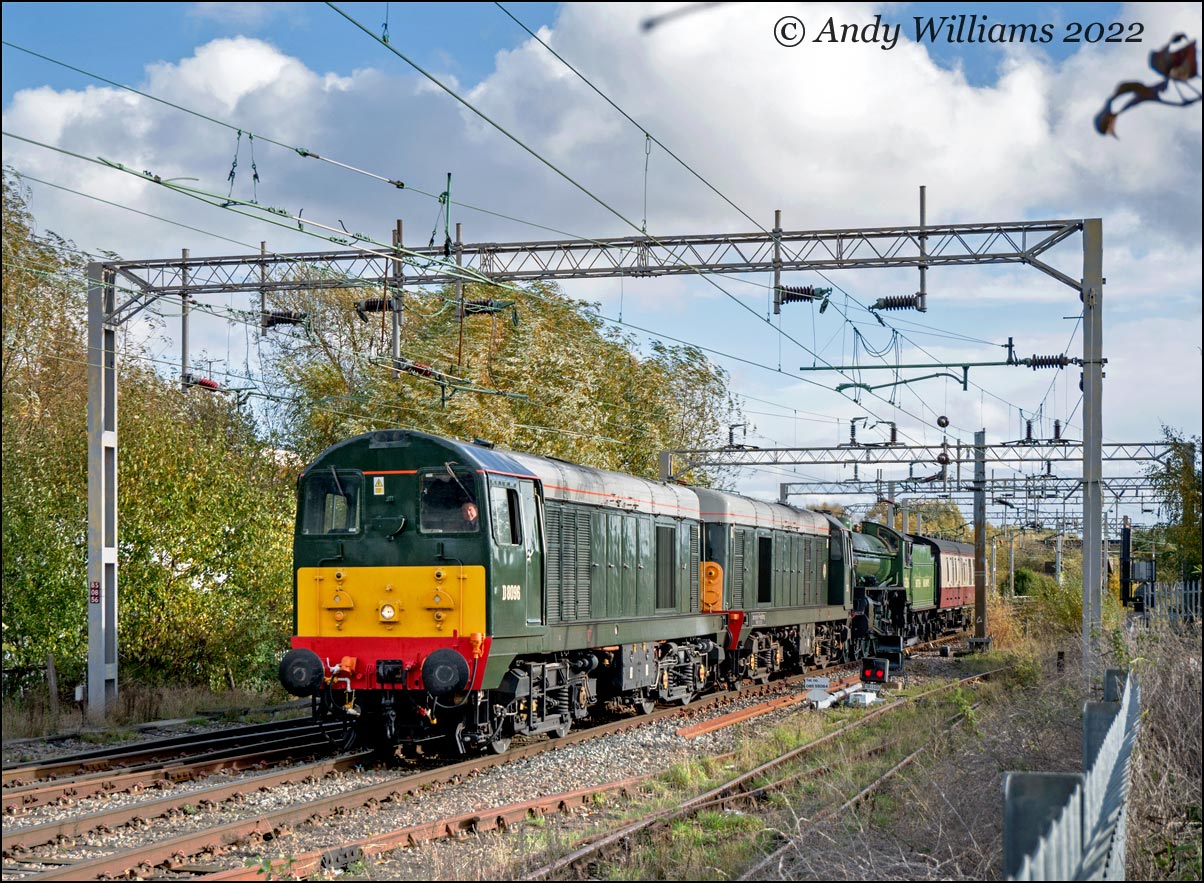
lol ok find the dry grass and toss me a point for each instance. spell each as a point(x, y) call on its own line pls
point(1006, 624)
point(30, 715)
point(942, 817)
point(1164, 803)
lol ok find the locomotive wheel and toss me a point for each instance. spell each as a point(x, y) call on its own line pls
point(498, 744)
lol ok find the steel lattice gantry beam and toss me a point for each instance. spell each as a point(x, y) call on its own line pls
point(939, 454)
point(1021, 242)
point(1128, 488)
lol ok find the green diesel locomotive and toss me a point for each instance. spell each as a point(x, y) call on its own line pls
point(450, 590)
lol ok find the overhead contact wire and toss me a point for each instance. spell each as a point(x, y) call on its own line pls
point(573, 181)
point(650, 137)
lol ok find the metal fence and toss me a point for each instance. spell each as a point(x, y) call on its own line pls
point(1071, 826)
point(1170, 601)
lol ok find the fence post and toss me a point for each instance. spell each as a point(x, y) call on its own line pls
point(1071, 826)
point(1032, 802)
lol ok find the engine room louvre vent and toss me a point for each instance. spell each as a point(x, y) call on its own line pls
point(736, 571)
point(810, 583)
point(695, 576)
point(553, 558)
point(568, 560)
point(582, 562)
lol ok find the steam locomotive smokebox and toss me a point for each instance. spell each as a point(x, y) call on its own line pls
point(301, 672)
point(444, 671)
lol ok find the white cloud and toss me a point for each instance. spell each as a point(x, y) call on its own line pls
point(237, 14)
point(832, 135)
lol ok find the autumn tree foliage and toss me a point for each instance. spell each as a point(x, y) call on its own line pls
point(205, 510)
point(1179, 484)
point(940, 518)
point(44, 444)
point(542, 374)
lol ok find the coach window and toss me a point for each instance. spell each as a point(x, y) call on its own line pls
point(331, 502)
point(504, 512)
point(448, 501)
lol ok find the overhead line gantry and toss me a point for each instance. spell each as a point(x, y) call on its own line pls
point(923, 246)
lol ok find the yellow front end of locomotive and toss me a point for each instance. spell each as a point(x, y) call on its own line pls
point(390, 602)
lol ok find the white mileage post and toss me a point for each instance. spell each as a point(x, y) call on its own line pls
point(816, 683)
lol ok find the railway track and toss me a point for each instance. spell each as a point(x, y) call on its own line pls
point(161, 775)
point(81, 853)
point(26, 848)
point(174, 747)
point(740, 789)
point(748, 787)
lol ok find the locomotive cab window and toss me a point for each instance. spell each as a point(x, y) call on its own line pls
point(449, 502)
point(331, 502)
point(505, 513)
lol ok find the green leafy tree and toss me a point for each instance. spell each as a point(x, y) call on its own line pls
point(44, 443)
point(205, 508)
point(1177, 479)
point(206, 577)
point(1030, 582)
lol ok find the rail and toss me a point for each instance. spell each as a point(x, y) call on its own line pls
point(1072, 826)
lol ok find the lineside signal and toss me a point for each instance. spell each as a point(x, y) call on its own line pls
point(875, 670)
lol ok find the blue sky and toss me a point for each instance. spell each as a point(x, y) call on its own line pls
point(460, 38)
point(834, 136)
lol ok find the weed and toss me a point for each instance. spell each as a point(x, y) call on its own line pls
point(966, 709)
point(681, 775)
point(1165, 789)
point(107, 737)
point(885, 808)
point(267, 866)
